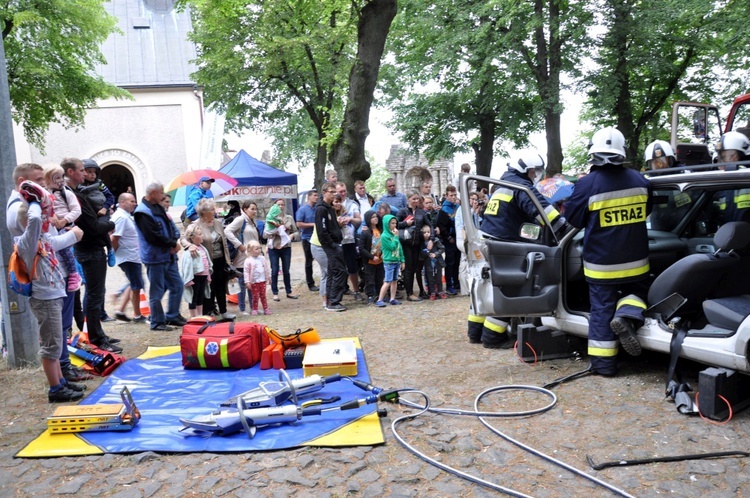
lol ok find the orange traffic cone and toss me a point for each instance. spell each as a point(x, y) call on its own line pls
point(145, 310)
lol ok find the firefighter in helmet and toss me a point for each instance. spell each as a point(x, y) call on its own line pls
point(659, 155)
point(612, 203)
point(506, 211)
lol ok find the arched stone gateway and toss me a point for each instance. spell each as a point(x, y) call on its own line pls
point(119, 179)
point(120, 162)
point(415, 177)
point(410, 170)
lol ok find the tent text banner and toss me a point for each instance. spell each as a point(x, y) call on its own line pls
point(259, 192)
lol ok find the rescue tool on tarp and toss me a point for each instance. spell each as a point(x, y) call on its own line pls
point(267, 406)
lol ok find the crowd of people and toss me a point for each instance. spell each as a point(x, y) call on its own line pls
point(69, 227)
point(364, 248)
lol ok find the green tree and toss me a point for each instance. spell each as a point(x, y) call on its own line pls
point(264, 63)
point(458, 48)
point(52, 48)
point(549, 36)
point(375, 185)
point(497, 65)
point(642, 66)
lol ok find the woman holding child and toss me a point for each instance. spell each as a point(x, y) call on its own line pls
point(215, 242)
point(240, 232)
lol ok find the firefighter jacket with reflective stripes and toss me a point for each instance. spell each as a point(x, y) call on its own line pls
point(612, 204)
point(734, 205)
point(508, 209)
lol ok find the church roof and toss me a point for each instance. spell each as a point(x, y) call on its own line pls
point(152, 49)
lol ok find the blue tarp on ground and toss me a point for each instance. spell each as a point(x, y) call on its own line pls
point(165, 392)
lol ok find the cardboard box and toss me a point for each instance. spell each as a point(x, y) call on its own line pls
point(330, 357)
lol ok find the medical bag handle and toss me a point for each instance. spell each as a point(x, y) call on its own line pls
point(211, 324)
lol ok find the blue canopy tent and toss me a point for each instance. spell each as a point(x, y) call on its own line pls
point(257, 180)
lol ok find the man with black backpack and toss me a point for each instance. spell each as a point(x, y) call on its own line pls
point(90, 253)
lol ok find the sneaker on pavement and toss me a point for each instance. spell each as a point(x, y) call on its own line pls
point(107, 346)
point(443, 295)
point(314, 288)
point(75, 374)
point(178, 321)
point(162, 328)
point(113, 340)
point(107, 318)
point(394, 302)
point(228, 316)
point(122, 317)
point(73, 386)
point(63, 395)
point(358, 296)
point(452, 291)
point(336, 307)
point(140, 319)
point(254, 313)
point(266, 311)
point(380, 304)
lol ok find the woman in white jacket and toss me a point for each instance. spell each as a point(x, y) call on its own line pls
point(240, 232)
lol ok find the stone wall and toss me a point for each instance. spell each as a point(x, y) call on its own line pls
point(410, 170)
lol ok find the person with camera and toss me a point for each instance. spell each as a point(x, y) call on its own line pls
point(215, 243)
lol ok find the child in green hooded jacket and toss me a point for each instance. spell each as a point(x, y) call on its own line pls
point(393, 259)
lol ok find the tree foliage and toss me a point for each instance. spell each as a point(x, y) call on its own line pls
point(51, 49)
point(642, 65)
point(452, 85)
point(471, 72)
point(265, 62)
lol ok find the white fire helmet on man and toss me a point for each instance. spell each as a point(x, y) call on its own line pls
point(528, 160)
point(607, 146)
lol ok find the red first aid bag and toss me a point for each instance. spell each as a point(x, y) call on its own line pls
point(216, 346)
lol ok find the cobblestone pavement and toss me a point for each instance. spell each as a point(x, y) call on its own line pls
point(419, 345)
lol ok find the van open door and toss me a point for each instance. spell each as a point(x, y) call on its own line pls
point(511, 278)
point(695, 130)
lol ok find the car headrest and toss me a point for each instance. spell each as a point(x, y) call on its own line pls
point(733, 236)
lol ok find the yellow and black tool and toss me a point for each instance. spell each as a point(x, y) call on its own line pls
point(87, 418)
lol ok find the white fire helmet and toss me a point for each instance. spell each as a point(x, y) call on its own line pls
point(607, 146)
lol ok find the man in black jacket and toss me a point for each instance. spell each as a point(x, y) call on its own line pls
point(330, 237)
point(90, 253)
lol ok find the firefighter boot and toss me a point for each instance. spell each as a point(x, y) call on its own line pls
point(625, 330)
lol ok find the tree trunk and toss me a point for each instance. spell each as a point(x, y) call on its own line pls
point(321, 160)
point(348, 155)
point(484, 150)
point(554, 142)
point(623, 104)
point(551, 92)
